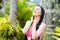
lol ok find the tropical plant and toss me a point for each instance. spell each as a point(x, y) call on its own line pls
point(56, 18)
point(23, 12)
point(56, 34)
point(7, 30)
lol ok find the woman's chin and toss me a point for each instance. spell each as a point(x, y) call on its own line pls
point(35, 15)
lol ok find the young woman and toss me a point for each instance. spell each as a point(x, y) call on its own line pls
point(35, 28)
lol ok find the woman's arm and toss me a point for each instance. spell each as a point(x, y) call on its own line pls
point(34, 32)
point(41, 29)
point(26, 27)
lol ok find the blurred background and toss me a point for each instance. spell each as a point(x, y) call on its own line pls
point(15, 13)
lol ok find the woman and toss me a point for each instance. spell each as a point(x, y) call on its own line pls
point(35, 28)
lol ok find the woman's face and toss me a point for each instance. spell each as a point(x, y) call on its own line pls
point(37, 11)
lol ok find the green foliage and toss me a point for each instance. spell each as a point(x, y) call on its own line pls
point(7, 30)
point(56, 34)
point(48, 34)
point(57, 29)
point(7, 8)
point(56, 18)
point(58, 7)
point(23, 12)
point(52, 34)
point(1, 14)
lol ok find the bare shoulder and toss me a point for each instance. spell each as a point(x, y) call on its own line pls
point(43, 24)
point(27, 22)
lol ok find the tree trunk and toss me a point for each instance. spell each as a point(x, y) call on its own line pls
point(13, 9)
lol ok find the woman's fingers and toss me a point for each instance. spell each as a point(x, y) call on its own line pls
point(32, 18)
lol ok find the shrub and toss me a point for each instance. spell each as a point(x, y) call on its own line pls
point(7, 30)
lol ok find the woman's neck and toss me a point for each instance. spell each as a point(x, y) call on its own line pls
point(37, 18)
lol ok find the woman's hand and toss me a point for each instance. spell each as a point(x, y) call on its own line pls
point(32, 18)
point(36, 21)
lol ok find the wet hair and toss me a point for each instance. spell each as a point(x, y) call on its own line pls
point(41, 17)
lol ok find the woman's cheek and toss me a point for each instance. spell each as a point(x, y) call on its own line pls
point(37, 11)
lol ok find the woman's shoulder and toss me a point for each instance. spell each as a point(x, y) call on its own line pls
point(43, 24)
point(28, 21)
